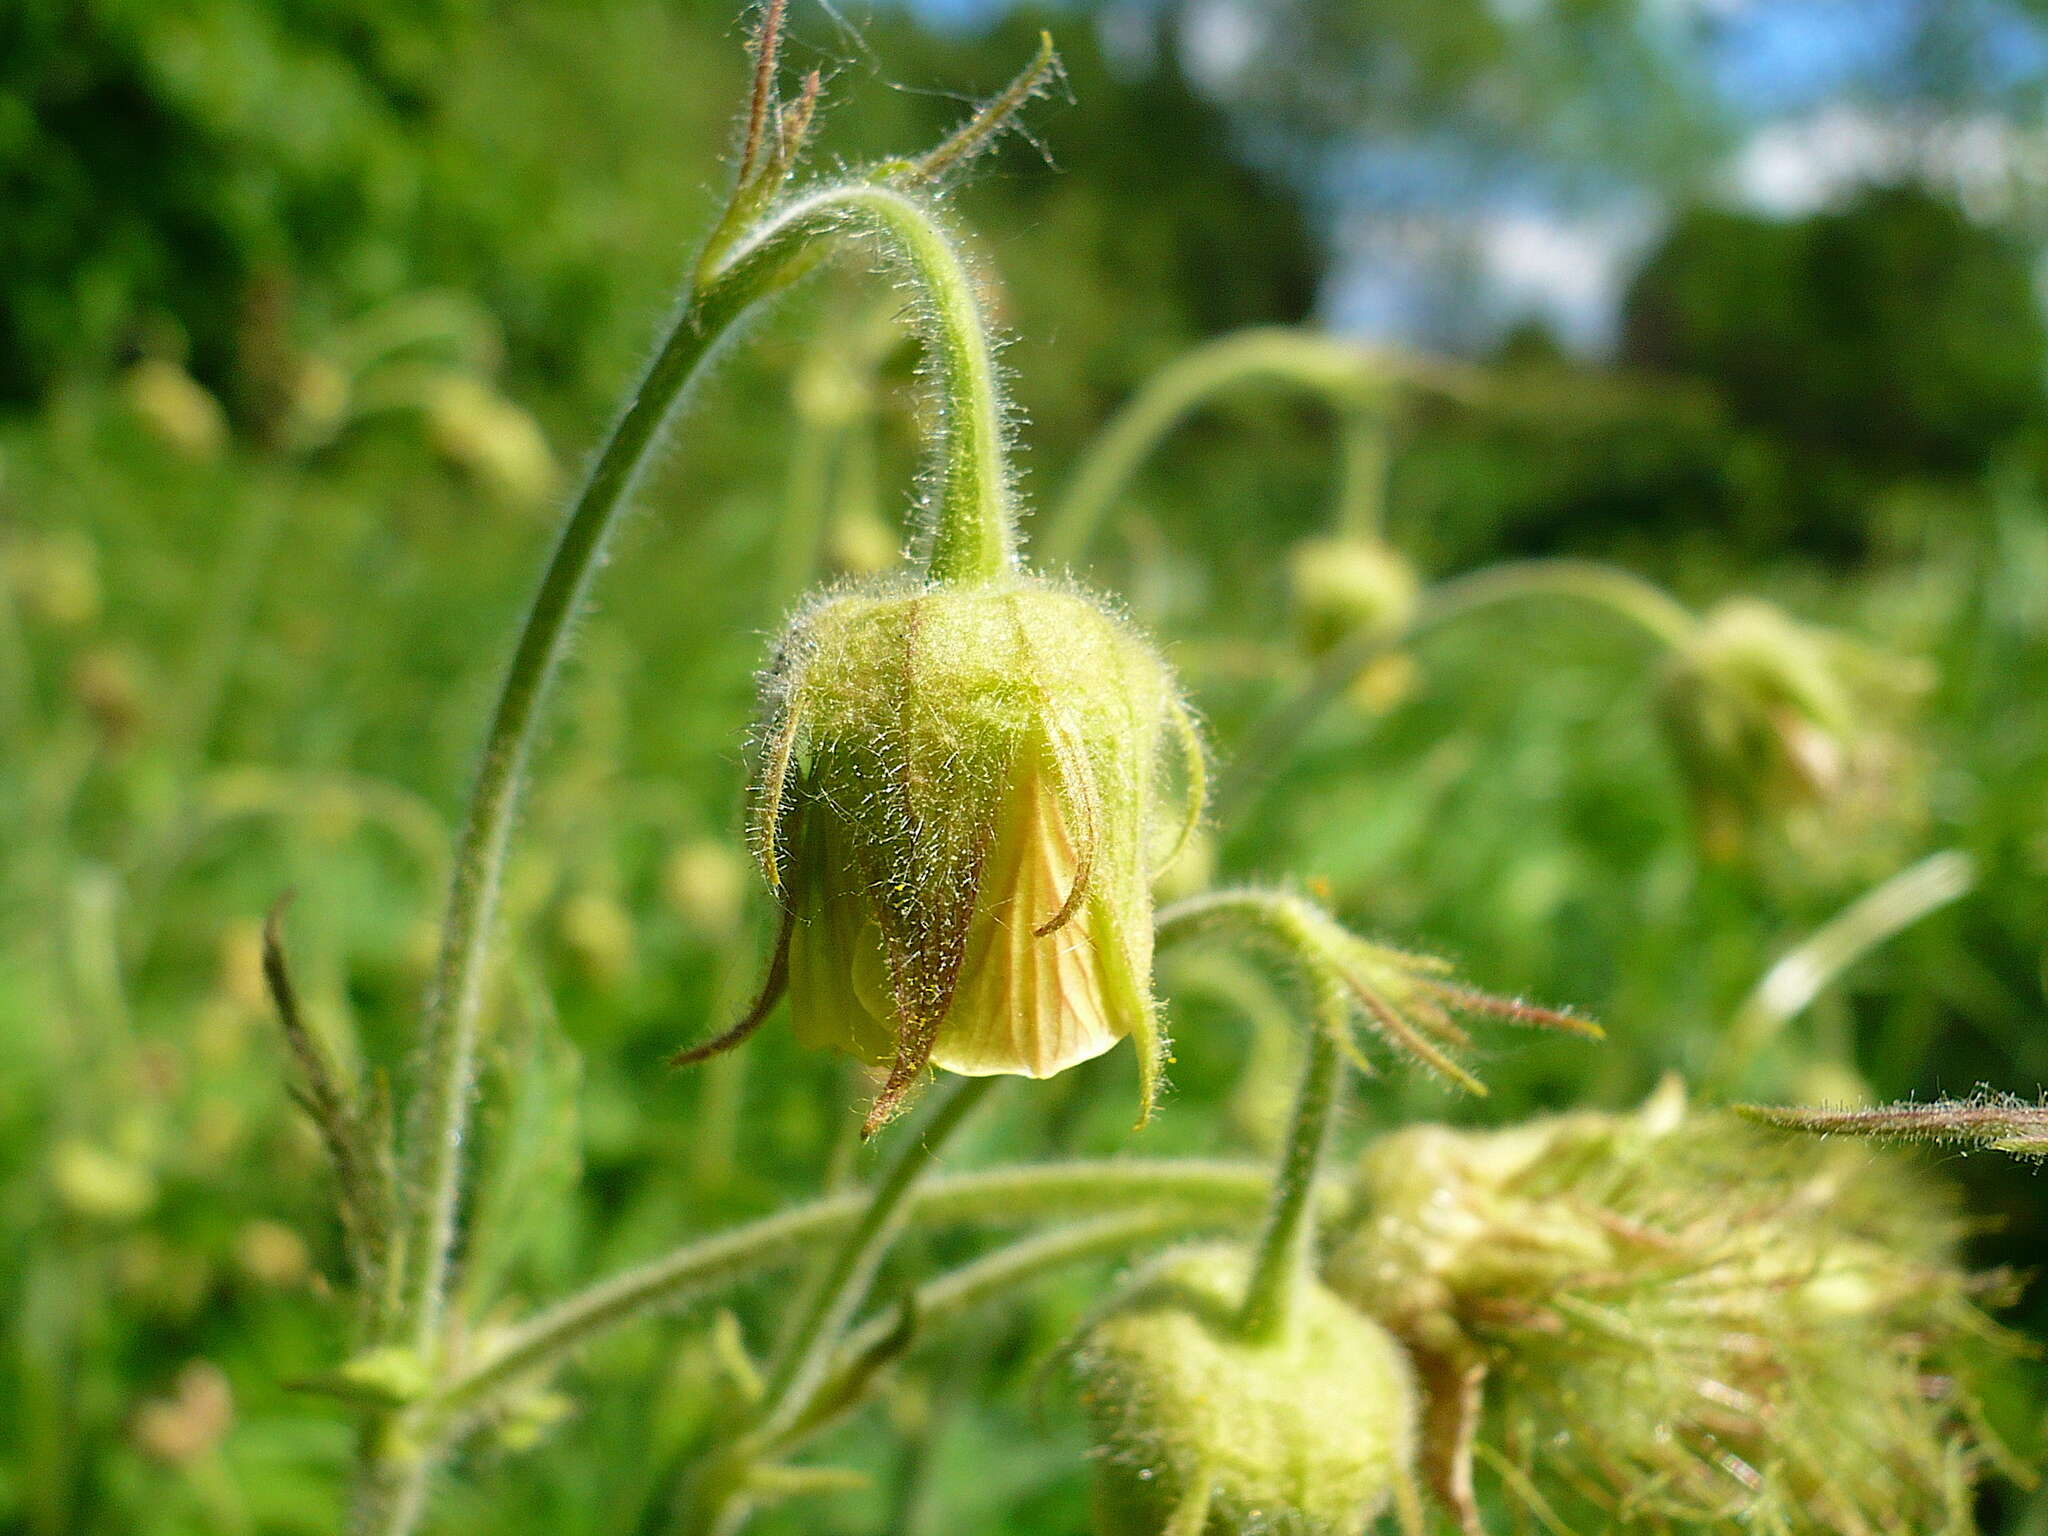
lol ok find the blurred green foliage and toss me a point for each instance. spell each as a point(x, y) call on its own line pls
point(234, 666)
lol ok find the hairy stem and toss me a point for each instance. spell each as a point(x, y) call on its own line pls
point(944, 1300)
point(1319, 364)
point(817, 1333)
point(439, 1112)
point(1201, 1191)
point(1281, 1262)
point(973, 539)
point(1647, 607)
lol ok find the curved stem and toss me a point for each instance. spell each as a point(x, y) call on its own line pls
point(1620, 592)
point(439, 1113)
point(1027, 1193)
point(818, 1331)
point(1282, 1260)
point(974, 520)
point(944, 1300)
point(1364, 459)
point(973, 538)
point(1321, 364)
point(1799, 975)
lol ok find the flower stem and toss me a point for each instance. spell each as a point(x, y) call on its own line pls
point(1620, 592)
point(1199, 1189)
point(973, 539)
point(718, 1498)
point(945, 1299)
point(974, 522)
point(817, 1333)
point(1364, 447)
point(1320, 364)
point(1801, 973)
point(1281, 1263)
point(439, 1113)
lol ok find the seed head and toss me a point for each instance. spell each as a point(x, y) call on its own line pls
point(1669, 1318)
point(959, 803)
point(1310, 1434)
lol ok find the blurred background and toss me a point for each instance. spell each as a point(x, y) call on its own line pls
point(309, 309)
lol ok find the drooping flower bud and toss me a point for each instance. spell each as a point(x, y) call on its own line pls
point(1782, 728)
point(960, 806)
point(1344, 588)
point(1309, 1434)
point(1668, 1318)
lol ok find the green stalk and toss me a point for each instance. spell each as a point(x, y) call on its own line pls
point(796, 1375)
point(939, 1303)
point(1282, 1261)
point(1364, 455)
point(1197, 1191)
point(719, 1499)
point(972, 540)
point(1801, 973)
point(1619, 592)
point(390, 1494)
point(1320, 364)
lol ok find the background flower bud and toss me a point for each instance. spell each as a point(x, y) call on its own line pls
point(1310, 1434)
point(1346, 587)
point(1784, 729)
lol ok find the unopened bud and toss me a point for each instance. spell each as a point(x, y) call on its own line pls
point(958, 802)
point(1311, 1433)
point(1344, 588)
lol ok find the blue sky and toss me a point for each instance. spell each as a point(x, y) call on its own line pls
point(1811, 78)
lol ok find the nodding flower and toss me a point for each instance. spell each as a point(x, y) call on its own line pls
point(963, 795)
point(1787, 729)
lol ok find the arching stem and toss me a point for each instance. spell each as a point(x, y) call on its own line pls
point(973, 539)
point(1323, 365)
point(1627, 596)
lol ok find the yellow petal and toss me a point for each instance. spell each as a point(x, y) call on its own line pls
point(1028, 1005)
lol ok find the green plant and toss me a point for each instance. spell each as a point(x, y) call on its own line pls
point(958, 801)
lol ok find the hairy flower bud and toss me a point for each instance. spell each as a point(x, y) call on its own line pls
point(959, 803)
point(1671, 1318)
point(1309, 1434)
point(1348, 587)
point(1779, 726)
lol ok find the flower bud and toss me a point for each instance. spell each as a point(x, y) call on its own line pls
point(1783, 728)
point(1310, 1434)
point(480, 431)
point(177, 409)
point(958, 802)
point(1348, 587)
point(705, 882)
point(1673, 1315)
